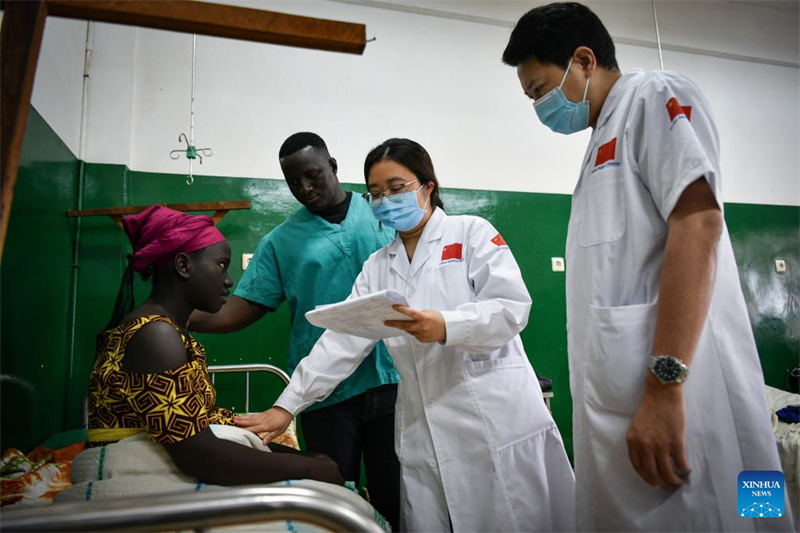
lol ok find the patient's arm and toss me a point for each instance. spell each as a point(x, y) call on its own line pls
point(236, 314)
point(222, 462)
point(158, 348)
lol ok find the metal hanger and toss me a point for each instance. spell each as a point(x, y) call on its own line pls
point(191, 151)
point(658, 34)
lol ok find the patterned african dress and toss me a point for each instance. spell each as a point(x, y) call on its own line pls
point(170, 406)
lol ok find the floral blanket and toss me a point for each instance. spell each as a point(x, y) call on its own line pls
point(36, 478)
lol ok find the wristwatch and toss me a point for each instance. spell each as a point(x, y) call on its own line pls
point(668, 369)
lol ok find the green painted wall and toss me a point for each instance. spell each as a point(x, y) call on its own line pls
point(35, 282)
point(534, 225)
point(761, 234)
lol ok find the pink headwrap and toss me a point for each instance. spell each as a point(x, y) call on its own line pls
point(158, 234)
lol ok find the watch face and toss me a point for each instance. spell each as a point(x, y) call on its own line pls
point(667, 369)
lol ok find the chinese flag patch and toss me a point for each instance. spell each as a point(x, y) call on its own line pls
point(451, 251)
point(674, 109)
point(606, 153)
point(499, 241)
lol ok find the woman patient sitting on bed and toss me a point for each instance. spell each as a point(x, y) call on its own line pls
point(151, 375)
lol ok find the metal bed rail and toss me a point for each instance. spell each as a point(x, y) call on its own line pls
point(197, 510)
point(226, 369)
point(218, 369)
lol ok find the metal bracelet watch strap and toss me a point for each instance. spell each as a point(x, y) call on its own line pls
point(668, 369)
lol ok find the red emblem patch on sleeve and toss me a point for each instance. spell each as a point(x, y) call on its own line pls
point(499, 241)
point(451, 251)
point(606, 153)
point(674, 109)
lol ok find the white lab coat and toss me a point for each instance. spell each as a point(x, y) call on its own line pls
point(615, 246)
point(475, 440)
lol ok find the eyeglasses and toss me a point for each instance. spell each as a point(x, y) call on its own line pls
point(376, 198)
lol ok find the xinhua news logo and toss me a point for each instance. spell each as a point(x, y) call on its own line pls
point(761, 494)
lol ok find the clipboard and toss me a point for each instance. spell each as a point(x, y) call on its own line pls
point(363, 316)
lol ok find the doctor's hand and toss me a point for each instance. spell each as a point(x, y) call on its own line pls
point(657, 436)
point(273, 421)
point(427, 325)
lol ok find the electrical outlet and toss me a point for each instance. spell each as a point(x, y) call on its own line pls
point(246, 260)
point(780, 266)
point(557, 263)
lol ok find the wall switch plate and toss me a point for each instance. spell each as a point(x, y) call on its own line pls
point(557, 263)
point(246, 260)
point(780, 266)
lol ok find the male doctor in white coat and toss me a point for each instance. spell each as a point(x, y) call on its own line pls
point(668, 393)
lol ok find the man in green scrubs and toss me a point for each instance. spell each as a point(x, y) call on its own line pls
point(310, 259)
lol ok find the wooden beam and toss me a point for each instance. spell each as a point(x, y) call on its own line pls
point(133, 209)
point(20, 41)
point(23, 25)
point(219, 21)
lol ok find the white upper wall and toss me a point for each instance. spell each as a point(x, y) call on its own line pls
point(58, 85)
point(432, 74)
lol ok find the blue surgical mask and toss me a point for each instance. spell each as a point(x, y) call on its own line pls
point(402, 212)
point(561, 115)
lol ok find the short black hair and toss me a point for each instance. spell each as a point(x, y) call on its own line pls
point(300, 140)
point(551, 33)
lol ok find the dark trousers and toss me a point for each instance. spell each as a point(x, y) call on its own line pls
point(361, 425)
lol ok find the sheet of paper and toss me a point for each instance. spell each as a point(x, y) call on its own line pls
point(363, 316)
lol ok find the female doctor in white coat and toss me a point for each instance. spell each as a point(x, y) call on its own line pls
point(478, 449)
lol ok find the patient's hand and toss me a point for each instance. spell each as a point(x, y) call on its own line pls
point(272, 421)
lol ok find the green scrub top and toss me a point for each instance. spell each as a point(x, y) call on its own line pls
point(307, 261)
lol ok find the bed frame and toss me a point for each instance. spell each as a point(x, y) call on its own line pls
point(220, 369)
point(227, 369)
point(198, 511)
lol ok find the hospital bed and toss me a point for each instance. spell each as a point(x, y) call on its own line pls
point(305, 502)
point(787, 437)
point(203, 509)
